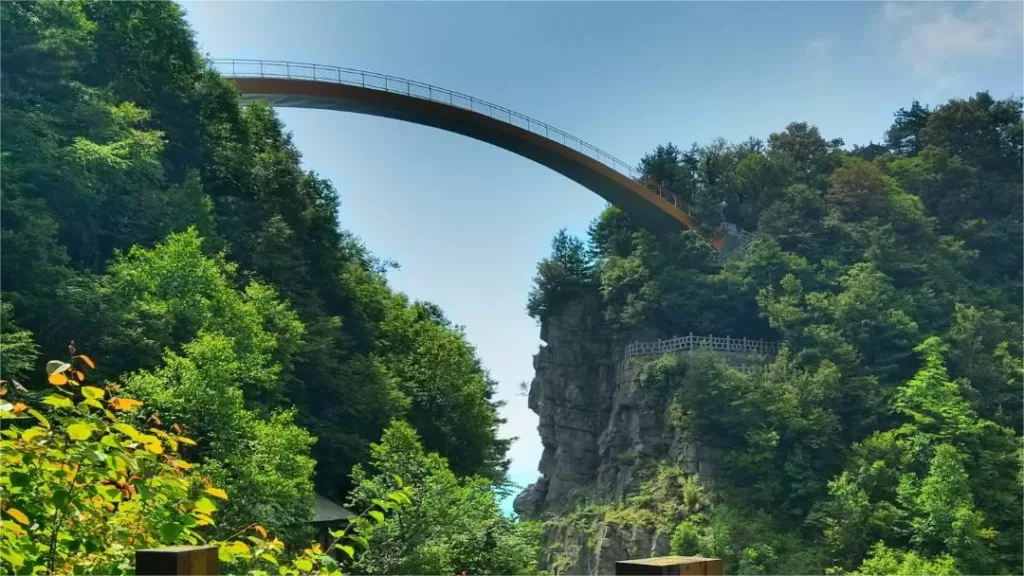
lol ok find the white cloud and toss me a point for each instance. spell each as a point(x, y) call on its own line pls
point(936, 38)
point(819, 48)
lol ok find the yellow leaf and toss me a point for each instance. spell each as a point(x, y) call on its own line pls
point(217, 492)
point(17, 515)
point(93, 392)
point(182, 464)
point(188, 441)
point(79, 431)
point(88, 361)
point(241, 546)
point(154, 447)
point(261, 530)
point(58, 379)
point(124, 403)
point(79, 375)
point(19, 407)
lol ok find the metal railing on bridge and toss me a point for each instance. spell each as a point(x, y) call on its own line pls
point(712, 343)
point(245, 68)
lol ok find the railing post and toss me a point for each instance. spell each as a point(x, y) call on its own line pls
point(362, 77)
point(314, 72)
point(287, 70)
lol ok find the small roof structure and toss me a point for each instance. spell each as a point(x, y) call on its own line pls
point(328, 512)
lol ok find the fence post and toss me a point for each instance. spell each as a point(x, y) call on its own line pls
point(177, 561)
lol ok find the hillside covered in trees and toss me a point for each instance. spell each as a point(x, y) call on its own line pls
point(885, 437)
point(151, 223)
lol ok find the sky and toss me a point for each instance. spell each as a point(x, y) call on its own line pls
point(468, 222)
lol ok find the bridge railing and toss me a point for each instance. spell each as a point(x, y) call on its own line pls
point(712, 343)
point(246, 68)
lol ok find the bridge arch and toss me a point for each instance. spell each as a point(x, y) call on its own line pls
point(315, 86)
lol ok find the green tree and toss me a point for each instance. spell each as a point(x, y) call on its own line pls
point(451, 525)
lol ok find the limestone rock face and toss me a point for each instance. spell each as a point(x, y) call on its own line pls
point(571, 393)
point(595, 549)
point(598, 431)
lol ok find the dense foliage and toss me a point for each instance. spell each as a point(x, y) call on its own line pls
point(149, 220)
point(452, 524)
point(886, 434)
point(152, 221)
point(88, 478)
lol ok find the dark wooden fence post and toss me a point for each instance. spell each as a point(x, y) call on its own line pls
point(178, 561)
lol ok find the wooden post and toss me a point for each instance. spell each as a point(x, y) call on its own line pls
point(670, 565)
point(178, 561)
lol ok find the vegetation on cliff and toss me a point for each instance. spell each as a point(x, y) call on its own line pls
point(886, 435)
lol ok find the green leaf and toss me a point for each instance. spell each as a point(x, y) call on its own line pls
point(400, 497)
point(398, 480)
point(206, 506)
point(359, 540)
point(93, 392)
point(269, 558)
point(381, 503)
point(170, 531)
point(109, 493)
point(377, 515)
point(33, 433)
point(128, 430)
point(58, 401)
point(226, 554)
point(61, 498)
point(42, 419)
point(303, 564)
point(348, 550)
point(16, 560)
point(91, 402)
point(79, 431)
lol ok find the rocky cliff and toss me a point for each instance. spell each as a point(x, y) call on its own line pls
point(598, 431)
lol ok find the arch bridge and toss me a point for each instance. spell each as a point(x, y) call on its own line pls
point(315, 86)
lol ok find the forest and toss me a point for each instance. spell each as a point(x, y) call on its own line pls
point(153, 226)
point(193, 346)
point(885, 437)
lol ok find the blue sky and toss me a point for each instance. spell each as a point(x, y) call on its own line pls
point(468, 222)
